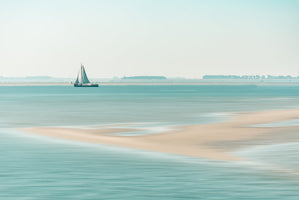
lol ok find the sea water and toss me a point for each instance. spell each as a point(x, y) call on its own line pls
point(38, 167)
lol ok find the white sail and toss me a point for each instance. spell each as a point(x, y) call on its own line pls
point(82, 80)
point(84, 76)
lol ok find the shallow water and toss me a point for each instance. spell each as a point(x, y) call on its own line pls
point(294, 122)
point(36, 167)
point(65, 105)
point(39, 168)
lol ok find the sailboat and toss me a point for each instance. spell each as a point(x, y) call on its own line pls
point(82, 80)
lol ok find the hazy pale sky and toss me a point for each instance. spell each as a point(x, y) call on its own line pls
point(174, 38)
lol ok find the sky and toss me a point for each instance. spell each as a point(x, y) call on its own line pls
point(173, 38)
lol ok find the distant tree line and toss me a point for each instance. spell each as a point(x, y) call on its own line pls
point(251, 77)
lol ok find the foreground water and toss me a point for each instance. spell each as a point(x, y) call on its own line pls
point(41, 168)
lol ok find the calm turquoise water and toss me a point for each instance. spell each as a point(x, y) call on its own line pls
point(35, 167)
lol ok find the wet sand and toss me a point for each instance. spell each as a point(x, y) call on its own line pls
point(213, 141)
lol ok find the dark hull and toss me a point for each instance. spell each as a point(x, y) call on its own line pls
point(86, 85)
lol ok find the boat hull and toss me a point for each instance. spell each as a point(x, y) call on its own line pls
point(86, 85)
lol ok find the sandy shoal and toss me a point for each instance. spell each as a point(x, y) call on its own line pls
point(214, 141)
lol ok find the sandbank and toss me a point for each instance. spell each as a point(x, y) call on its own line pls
point(213, 141)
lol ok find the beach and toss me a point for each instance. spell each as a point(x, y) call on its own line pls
point(213, 141)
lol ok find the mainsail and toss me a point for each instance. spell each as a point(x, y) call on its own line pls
point(83, 75)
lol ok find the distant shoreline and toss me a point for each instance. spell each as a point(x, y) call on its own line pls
point(154, 83)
